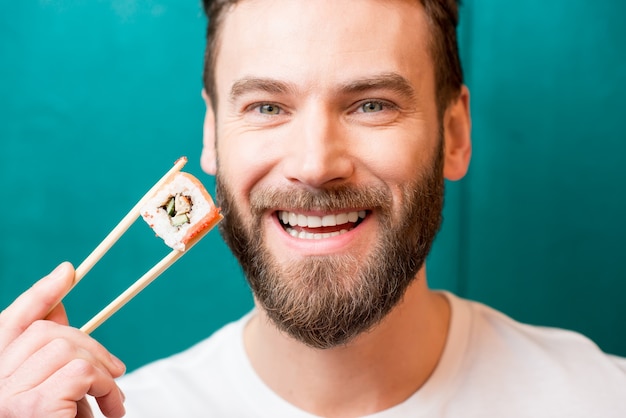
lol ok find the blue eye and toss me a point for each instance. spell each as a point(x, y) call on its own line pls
point(269, 109)
point(371, 107)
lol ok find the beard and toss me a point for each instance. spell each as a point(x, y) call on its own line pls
point(326, 301)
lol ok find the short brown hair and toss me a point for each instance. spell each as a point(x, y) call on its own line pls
point(443, 16)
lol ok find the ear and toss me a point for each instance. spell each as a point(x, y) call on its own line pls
point(208, 159)
point(457, 136)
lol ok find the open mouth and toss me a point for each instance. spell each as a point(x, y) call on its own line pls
point(319, 227)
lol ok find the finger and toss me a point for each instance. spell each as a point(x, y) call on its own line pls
point(35, 303)
point(83, 409)
point(64, 394)
point(56, 360)
point(46, 346)
point(58, 315)
point(44, 363)
point(79, 378)
point(112, 405)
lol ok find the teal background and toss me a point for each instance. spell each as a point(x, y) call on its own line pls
point(98, 98)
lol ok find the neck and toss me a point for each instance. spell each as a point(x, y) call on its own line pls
point(375, 371)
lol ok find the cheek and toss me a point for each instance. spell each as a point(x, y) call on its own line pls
point(244, 158)
point(398, 160)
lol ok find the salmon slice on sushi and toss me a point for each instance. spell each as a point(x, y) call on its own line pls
point(181, 211)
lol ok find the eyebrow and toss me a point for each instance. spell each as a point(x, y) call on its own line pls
point(385, 81)
point(251, 84)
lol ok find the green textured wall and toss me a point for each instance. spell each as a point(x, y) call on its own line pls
point(97, 99)
point(537, 227)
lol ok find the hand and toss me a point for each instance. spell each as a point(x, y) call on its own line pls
point(46, 367)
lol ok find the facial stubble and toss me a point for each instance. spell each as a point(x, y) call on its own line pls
point(325, 301)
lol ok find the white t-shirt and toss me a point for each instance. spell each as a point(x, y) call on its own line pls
point(491, 366)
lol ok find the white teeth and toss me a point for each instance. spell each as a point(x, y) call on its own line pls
point(308, 235)
point(314, 221)
point(329, 220)
point(342, 218)
point(296, 219)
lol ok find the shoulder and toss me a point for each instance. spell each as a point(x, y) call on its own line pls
point(556, 368)
point(494, 332)
point(497, 330)
point(197, 379)
point(206, 352)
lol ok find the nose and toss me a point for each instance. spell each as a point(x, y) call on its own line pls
point(319, 152)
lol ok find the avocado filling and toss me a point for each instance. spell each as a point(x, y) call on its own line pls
point(177, 208)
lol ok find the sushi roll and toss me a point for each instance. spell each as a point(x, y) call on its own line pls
point(181, 211)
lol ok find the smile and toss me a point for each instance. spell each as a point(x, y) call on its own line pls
point(319, 227)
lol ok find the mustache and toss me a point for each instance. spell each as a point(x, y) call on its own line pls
point(336, 198)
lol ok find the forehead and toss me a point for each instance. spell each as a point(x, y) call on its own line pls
point(317, 42)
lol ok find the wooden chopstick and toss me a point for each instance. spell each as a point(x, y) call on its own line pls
point(115, 235)
point(134, 289)
point(124, 224)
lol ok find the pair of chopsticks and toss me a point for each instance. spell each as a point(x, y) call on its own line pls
point(112, 238)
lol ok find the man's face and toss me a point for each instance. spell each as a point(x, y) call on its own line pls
point(329, 148)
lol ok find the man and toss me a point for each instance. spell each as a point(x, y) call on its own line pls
point(330, 126)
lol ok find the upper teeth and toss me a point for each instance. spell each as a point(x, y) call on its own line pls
point(297, 219)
